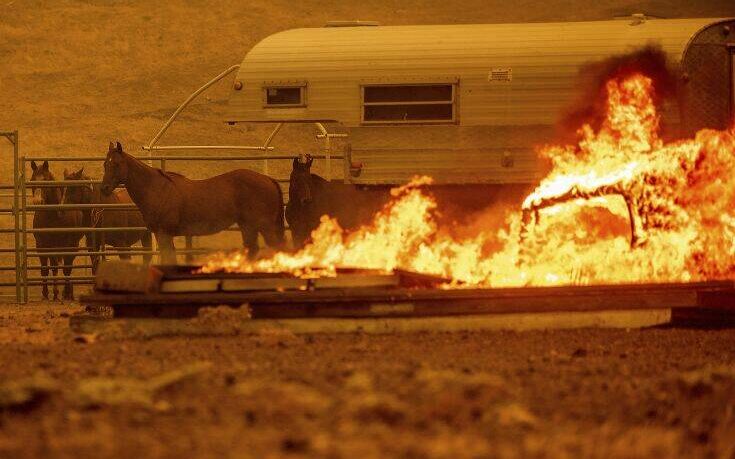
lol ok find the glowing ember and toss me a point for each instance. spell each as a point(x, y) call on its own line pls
point(620, 206)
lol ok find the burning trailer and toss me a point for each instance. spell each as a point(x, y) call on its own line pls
point(470, 103)
point(626, 218)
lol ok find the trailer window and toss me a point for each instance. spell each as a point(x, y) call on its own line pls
point(284, 96)
point(424, 103)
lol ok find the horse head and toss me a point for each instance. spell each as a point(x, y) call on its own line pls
point(300, 183)
point(44, 195)
point(77, 194)
point(116, 169)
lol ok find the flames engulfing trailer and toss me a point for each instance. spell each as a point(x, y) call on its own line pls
point(467, 103)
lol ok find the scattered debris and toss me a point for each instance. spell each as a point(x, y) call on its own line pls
point(515, 415)
point(359, 381)
point(579, 352)
point(26, 392)
point(97, 392)
point(223, 315)
point(377, 407)
point(85, 338)
point(276, 399)
point(272, 336)
point(702, 381)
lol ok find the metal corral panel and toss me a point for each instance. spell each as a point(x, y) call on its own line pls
point(544, 57)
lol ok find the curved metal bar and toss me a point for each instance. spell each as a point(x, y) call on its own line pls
point(327, 148)
point(205, 147)
point(193, 96)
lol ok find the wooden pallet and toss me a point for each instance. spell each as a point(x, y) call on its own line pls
point(360, 302)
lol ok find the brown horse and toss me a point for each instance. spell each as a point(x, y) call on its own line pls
point(107, 218)
point(173, 205)
point(311, 196)
point(52, 242)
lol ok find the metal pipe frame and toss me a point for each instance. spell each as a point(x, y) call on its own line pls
point(20, 185)
point(188, 100)
point(83, 252)
point(167, 158)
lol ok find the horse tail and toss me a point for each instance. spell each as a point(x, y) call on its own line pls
point(280, 223)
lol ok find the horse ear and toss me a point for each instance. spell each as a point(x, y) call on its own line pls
point(80, 172)
point(119, 147)
point(309, 160)
point(33, 165)
point(44, 165)
point(112, 147)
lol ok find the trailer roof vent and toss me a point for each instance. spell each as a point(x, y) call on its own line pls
point(637, 18)
point(352, 24)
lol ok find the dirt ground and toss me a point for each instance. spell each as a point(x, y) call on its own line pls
point(580, 393)
point(76, 74)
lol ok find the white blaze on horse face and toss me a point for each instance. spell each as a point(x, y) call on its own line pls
point(37, 198)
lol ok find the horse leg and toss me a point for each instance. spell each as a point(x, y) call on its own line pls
point(146, 241)
point(166, 245)
point(102, 243)
point(273, 235)
point(44, 275)
point(120, 250)
point(250, 239)
point(91, 243)
point(189, 245)
point(68, 286)
point(55, 273)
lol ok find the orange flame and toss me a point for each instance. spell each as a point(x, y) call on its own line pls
point(619, 206)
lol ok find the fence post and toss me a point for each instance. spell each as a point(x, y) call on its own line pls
point(16, 225)
point(24, 233)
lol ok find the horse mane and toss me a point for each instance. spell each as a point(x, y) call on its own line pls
point(168, 175)
point(321, 180)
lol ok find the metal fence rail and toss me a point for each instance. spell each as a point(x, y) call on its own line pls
point(21, 208)
point(14, 210)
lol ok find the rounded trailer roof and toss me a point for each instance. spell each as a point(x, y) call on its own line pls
point(301, 53)
point(543, 61)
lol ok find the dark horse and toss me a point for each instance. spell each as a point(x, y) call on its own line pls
point(173, 205)
point(107, 218)
point(52, 242)
point(311, 196)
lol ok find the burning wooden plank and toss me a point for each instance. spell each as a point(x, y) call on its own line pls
point(127, 277)
point(401, 301)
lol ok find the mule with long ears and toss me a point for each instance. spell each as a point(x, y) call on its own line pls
point(173, 205)
point(107, 218)
point(54, 242)
point(311, 196)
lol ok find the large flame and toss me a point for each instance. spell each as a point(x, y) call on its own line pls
point(621, 205)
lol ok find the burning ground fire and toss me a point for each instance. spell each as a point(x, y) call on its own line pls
point(620, 206)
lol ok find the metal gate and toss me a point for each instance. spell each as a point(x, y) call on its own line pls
point(28, 275)
point(9, 206)
point(20, 210)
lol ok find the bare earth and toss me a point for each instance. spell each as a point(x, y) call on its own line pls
point(592, 393)
point(76, 74)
